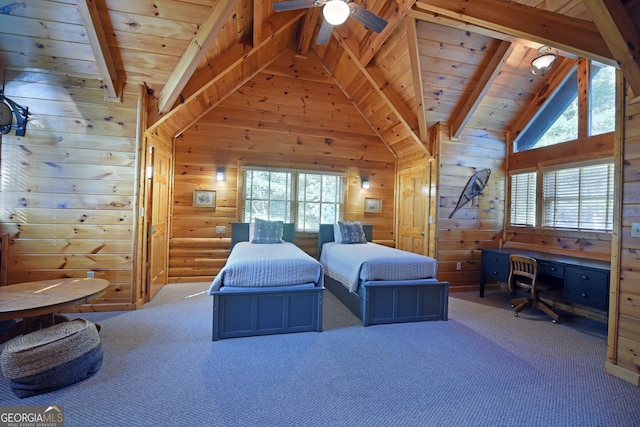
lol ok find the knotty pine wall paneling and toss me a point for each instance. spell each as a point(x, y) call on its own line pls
point(68, 185)
point(480, 222)
point(624, 299)
point(292, 115)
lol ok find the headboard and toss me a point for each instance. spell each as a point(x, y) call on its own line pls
point(240, 232)
point(325, 234)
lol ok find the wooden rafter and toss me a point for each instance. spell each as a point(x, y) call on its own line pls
point(621, 36)
point(98, 40)
point(213, 23)
point(576, 36)
point(308, 31)
point(414, 57)
point(225, 83)
point(395, 13)
point(376, 82)
point(481, 87)
point(258, 27)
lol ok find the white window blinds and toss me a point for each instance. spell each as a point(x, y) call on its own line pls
point(523, 199)
point(579, 198)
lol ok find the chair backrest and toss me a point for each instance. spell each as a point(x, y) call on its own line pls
point(522, 267)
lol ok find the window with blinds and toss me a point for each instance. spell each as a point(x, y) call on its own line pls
point(304, 198)
point(523, 199)
point(267, 194)
point(579, 198)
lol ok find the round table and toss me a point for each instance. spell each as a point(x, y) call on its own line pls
point(37, 303)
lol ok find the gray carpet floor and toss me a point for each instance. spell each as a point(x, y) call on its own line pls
point(482, 367)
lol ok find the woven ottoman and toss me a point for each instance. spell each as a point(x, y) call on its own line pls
point(52, 358)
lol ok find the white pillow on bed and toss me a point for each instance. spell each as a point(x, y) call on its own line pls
point(337, 237)
point(351, 232)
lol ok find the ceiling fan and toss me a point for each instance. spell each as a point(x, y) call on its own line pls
point(335, 12)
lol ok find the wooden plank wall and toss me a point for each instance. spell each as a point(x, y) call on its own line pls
point(292, 115)
point(480, 222)
point(575, 243)
point(68, 185)
point(623, 359)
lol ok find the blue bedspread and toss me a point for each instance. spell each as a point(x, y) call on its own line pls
point(351, 263)
point(260, 265)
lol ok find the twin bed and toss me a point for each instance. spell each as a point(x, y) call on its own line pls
point(377, 283)
point(267, 287)
point(270, 286)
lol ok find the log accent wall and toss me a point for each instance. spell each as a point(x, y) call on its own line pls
point(69, 185)
point(480, 222)
point(292, 115)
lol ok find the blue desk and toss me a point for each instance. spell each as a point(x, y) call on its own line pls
point(584, 282)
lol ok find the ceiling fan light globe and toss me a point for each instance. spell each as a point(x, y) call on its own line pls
point(336, 12)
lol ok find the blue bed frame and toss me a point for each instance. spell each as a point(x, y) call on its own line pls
point(265, 311)
point(388, 301)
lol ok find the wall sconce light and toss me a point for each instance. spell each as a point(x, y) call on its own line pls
point(220, 175)
point(545, 60)
point(365, 184)
point(336, 11)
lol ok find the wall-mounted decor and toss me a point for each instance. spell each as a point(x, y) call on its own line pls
point(474, 188)
point(204, 199)
point(373, 205)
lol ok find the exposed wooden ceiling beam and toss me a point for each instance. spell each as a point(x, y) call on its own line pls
point(480, 88)
point(560, 72)
point(224, 84)
point(258, 26)
point(397, 108)
point(308, 31)
point(414, 57)
point(98, 40)
point(366, 49)
point(621, 36)
point(579, 37)
point(208, 31)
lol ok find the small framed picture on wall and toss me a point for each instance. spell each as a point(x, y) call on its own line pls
point(373, 205)
point(204, 199)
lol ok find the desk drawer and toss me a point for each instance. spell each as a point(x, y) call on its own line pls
point(587, 287)
point(496, 266)
point(552, 269)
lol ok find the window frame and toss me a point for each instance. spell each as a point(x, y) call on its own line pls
point(539, 197)
point(295, 204)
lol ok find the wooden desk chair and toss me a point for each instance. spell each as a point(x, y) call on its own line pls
point(523, 275)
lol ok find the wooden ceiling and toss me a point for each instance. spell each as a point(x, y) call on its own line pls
point(470, 59)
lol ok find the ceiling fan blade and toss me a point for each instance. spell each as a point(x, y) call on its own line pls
point(324, 33)
point(368, 19)
point(282, 6)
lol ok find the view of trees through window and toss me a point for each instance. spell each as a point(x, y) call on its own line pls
point(307, 199)
point(558, 121)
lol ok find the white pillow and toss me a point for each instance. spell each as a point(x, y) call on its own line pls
point(337, 236)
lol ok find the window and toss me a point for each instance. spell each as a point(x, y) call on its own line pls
point(558, 120)
point(319, 200)
point(575, 198)
point(523, 199)
point(268, 194)
point(578, 198)
point(602, 103)
point(304, 198)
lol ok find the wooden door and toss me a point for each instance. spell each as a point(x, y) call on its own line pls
point(158, 239)
point(414, 210)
